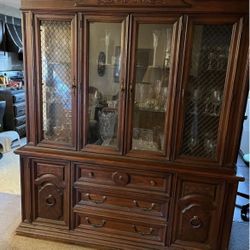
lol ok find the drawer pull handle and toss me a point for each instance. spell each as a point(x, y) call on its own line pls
point(152, 183)
point(50, 200)
point(195, 222)
point(95, 225)
point(143, 233)
point(120, 179)
point(104, 198)
point(91, 174)
point(144, 208)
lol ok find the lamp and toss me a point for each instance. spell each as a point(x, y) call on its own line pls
point(153, 72)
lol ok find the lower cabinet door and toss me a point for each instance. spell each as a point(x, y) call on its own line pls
point(198, 213)
point(50, 191)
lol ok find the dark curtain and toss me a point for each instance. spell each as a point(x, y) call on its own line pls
point(11, 34)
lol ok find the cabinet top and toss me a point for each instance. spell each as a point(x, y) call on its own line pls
point(221, 6)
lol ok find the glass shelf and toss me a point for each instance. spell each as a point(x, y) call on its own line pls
point(153, 63)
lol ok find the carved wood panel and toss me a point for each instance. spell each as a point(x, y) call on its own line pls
point(155, 3)
point(49, 198)
point(50, 186)
point(195, 214)
point(198, 213)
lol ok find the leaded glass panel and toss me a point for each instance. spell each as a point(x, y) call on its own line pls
point(205, 90)
point(56, 52)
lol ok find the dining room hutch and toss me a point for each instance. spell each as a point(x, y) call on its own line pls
point(135, 110)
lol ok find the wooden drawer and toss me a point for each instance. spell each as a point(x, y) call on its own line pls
point(117, 227)
point(143, 205)
point(137, 180)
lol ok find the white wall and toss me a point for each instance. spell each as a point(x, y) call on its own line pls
point(10, 11)
point(9, 61)
point(244, 145)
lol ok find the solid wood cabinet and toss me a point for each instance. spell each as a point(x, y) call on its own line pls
point(134, 118)
point(50, 191)
point(199, 207)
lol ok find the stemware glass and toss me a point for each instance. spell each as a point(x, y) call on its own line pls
point(209, 144)
point(211, 60)
point(193, 143)
point(195, 99)
point(216, 101)
point(163, 98)
point(157, 88)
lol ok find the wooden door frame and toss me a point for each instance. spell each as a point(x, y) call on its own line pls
point(176, 21)
point(191, 20)
point(109, 18)
point(55, 17)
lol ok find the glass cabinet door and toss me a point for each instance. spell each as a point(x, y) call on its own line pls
point(153, 56)
point(55, 37)
point(105, 83)
point(207, 73)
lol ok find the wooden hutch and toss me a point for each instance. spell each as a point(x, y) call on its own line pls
point(135, 111)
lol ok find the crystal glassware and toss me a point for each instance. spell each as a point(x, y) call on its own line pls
point(157, 88)
point(211, 60)
point(209, 144)
point(216, 101)
point(193, 143)
point(195, 99)
point(107, 125)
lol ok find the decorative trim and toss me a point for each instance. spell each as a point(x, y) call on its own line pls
point(126, 3)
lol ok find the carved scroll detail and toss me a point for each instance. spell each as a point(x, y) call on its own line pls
point(125, 3)
point(49, 197)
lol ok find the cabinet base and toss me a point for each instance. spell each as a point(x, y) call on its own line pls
point(84, 239)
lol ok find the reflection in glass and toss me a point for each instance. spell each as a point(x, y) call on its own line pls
point(105, 41)
point(153, 62)
point(56, 81)
point(205, 89)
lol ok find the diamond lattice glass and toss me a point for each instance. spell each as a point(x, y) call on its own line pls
point(56, 81)
point(205, 89)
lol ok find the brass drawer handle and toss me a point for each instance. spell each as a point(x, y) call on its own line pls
point(195, 222)
point(144, 208)
point(95, 225)
point(143, 233)
point(104, 198)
